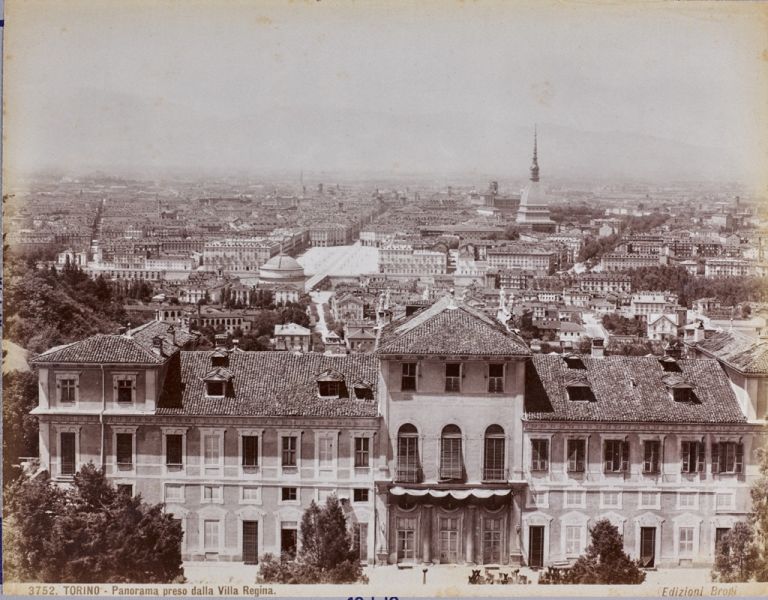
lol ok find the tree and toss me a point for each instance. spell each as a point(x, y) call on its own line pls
point(759, 517)
point(20, 429)
point(87, 533)
point(326, 554)
point(605, 561)
point(736, 555)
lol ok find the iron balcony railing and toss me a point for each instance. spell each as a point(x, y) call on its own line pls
point(408, 471)
point(495, 474)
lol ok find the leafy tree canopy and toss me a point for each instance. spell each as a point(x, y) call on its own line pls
point(87, 533)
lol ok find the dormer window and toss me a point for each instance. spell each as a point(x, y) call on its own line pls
point(328, 389)
point(215, 388)
point(580, 393)
point(363, 391)
point(684, 395)
point(220, 358)
point(330, 383)
point(217, 381)
point(574, 361)
point(669, 365)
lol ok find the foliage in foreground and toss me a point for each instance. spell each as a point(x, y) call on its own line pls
point(326, 554)
point(87, 533)
point(20, 429)
point(736, 555)
point(605, 561)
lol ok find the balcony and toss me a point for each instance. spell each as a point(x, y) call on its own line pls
point(451, 472)
point(408, 472)
point(495, 474)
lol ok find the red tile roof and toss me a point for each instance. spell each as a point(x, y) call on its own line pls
point(446, 328)
point(272, 384)
point(628, 388)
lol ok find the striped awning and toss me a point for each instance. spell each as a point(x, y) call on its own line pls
point(456, 494)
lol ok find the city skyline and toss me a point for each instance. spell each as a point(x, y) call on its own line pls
point(616, 92)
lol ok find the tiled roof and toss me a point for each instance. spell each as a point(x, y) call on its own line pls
point(271, 384)
point(444, 328)
point(744, 353)
point(628, 388)
point(136, 347)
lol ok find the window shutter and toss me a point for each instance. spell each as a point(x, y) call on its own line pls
point(715, 457)
point(685, 458)
point(701, 460)
point(606, 457)
point(739, 467)
point(625, 456)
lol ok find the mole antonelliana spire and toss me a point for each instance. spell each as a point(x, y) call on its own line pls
point(535, 163)
point(533, 212)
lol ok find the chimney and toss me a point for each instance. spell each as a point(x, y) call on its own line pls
point(235, 343)
point(122, 330)
point(157, 344)
point(598, 349)
point(699, 333)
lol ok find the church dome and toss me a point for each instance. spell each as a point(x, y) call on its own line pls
point(281, 268)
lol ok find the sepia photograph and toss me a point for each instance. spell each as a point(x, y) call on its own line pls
point(385, 299)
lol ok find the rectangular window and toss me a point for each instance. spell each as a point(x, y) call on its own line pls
point(68, 453)
point(289, 451)
point(174, 493)
point(575, 498)
point(453, 377)
point(450, 458)
point(362, 452)
point(325, 452)
point(289, 494)
point(174, 444)
point(250, 493)
point(577, 451)
point(692, 457)
point(211, 536)
point(727, 457)
point(611, 499)
point(616, 456)
point(408, 379)
point(68, 389)
point(651, 456)
point(360, 495)
point(125, 390)
point(687, 499)
point(492, 537)
point(250, 451)
point(685, 545)
point(539, 455)
point(649, 500)
point(328, 389)
point(124, 448)
point(212, 493)
point(211, 449)
point(214, 388)
point(724, 501)
point(125, 489)
point(496, 378)
point(573, 540)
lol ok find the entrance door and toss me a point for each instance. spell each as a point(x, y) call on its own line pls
point(648, 546)
point(406, 545)
point(250, 542)
point(536, 546)
point(491, 541)
point(448, 540)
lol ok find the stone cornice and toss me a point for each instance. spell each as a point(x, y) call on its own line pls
point(634, 427)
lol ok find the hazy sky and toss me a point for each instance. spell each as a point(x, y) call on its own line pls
point(451, 87)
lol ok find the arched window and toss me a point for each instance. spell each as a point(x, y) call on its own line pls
point(493, 463)
point(451, 464)
point(408, 468)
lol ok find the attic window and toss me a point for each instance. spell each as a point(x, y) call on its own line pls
point(328, 389)
point(684, 395)
point(220, 358)
point(363, 391)
point(215, 388)
point(574, 362)
point(580, 393)
point(669, 365)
